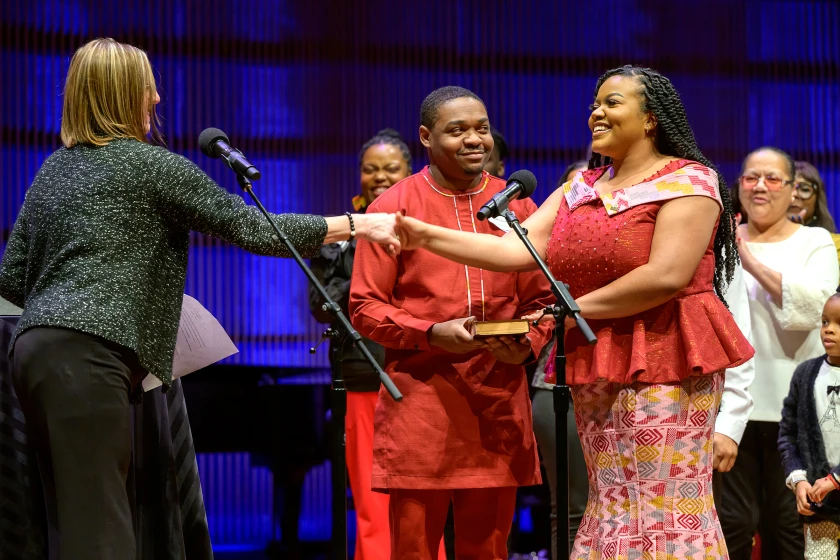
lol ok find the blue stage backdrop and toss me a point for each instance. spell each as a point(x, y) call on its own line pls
point(298, 86)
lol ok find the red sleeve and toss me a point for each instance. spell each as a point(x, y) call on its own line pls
point(534, 292)
point(371, 311)
point(534, 295)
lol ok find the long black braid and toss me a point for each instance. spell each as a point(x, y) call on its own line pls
point(675, 138)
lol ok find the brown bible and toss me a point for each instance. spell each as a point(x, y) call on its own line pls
point(513, 327)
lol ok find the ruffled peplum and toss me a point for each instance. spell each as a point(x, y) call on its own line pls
point(597, 239)
point(692, 334)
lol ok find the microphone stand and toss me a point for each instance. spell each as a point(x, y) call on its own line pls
point(338, 393)
point(565, 307)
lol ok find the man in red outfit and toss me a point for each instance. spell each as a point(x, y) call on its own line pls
point(462, 434)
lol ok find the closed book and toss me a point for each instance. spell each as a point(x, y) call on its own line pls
point(514, 327)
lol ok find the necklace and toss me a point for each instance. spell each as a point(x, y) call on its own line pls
point(450, 195)
point(472, 219)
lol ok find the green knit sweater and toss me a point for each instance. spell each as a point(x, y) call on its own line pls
point(101, 243)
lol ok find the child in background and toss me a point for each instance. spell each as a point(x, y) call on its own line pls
point(809, 440)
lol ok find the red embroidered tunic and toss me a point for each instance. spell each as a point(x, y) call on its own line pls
point(465, 420)
point(596, 240)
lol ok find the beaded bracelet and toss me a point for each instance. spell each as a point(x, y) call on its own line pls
point(352, 226)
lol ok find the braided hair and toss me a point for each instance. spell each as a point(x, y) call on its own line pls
point(391, 137)
point(674, 137)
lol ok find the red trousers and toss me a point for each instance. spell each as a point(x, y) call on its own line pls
point(373, 537)
point(483, 517)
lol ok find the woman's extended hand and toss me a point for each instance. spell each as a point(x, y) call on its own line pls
point(410, 231)
point(541, 317)
point(538, 316)
point(379, 228)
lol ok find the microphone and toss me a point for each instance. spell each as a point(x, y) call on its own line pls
point(521, 184)
point(215, 143)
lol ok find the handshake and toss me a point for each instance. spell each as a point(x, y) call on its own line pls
point(394, 232)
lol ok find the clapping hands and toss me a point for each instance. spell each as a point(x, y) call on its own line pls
point(799, 217)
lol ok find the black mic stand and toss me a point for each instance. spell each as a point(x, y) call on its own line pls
point(338, 393)
point(565, 307)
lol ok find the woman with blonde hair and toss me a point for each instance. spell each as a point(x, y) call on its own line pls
point(97, 259)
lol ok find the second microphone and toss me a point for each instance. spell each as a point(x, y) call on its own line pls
point(521, 184)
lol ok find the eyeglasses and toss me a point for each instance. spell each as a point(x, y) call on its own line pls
point(770, 181)
point(805, 190)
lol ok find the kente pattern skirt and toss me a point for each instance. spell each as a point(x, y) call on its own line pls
point(648, 450)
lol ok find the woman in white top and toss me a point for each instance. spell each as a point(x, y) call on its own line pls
point(790, 271)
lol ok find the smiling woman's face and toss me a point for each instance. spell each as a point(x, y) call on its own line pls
point(766, 205)
point(616, 120)
point(382, 166)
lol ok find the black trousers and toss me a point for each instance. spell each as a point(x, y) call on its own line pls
point(544, 429)
point(74, 391)
point(753, 498)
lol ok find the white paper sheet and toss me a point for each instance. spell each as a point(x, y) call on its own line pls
point(201, 341)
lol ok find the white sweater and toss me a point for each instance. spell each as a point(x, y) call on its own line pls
point(736, 403)
point(785, 336)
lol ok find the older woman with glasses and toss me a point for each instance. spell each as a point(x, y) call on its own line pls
point(790, 271)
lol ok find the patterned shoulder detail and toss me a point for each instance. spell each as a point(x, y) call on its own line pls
point(577, 192)
point(691, 180)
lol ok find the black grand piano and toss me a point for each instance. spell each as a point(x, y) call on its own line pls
point(278, 414)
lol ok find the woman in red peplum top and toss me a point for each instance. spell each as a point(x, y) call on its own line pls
point(645, 239)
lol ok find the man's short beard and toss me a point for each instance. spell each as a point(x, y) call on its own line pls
point(474, 170)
